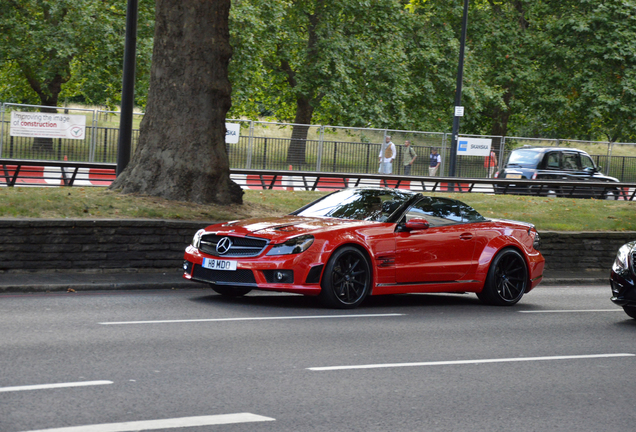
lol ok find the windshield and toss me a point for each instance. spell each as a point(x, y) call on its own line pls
point(524, 158)
point(359, 204)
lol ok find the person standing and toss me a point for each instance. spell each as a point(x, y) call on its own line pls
point(490, 163)
point(408, 157)
point(435, 162)
point(386, 156)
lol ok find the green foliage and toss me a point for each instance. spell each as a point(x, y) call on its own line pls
point(343, 56)
point(54, 50)
point(557, 69)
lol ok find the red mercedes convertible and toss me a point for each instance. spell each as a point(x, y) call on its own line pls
point(370, 241)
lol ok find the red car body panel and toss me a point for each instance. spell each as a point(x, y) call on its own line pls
point(453, 258)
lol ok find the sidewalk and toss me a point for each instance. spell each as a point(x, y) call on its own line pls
point(172, 279)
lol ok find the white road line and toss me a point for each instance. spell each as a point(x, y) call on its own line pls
point(253, 319)
point(164, 424)
point(54, 386)
point(463, 362)
point(572, 310)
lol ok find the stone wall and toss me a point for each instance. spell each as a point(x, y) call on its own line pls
point(109, 245)
point(80, 245)
point(582, 251)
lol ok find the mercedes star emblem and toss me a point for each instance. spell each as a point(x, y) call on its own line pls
point(224, 245)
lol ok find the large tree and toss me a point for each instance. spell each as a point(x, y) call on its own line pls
point(181, 152)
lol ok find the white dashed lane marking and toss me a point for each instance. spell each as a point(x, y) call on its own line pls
point(172, 423)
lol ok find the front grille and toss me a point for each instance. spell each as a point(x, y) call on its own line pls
point(237, 277)
point(241, 246)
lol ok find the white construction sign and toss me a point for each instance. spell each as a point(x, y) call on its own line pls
point(473, 146)
point(47, 125)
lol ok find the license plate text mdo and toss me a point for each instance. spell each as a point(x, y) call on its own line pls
point(216, 264)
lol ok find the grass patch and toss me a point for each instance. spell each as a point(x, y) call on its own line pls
point(558, 214)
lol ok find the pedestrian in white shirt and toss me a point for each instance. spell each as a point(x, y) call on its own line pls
point(386, 156)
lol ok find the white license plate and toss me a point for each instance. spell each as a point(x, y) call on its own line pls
point(517, 176)
point(217, 264)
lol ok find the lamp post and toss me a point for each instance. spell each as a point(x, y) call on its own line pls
point(458, 95)
point(128, 88)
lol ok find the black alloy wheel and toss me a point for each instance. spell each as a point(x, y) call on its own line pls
point(507, 279)
point(347, 279)
point(230, 291)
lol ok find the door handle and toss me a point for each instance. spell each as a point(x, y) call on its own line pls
point(466, 236)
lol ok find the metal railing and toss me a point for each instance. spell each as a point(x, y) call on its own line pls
point(266, 145)
point(63, 173)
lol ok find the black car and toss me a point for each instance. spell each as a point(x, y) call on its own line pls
point(555, 163)
point(622, 279)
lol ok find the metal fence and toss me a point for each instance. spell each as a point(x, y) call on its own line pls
point(277, 146)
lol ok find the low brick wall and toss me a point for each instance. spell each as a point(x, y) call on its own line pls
point(106, 245)
point(149, 245)
point(582, 251)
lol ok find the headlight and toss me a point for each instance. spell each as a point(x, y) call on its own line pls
point(536, 244)
point(621, 263)
point(294, 245)
point(196, 240)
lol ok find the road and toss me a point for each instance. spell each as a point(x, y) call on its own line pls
point(562, 359)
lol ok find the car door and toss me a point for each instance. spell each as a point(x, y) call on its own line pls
point(441, 253)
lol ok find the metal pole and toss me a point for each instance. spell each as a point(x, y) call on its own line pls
point(128, 88)
point(458, 94)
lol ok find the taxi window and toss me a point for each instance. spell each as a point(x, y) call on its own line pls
point(552, 160)
point(587, 162)
point(570, 161)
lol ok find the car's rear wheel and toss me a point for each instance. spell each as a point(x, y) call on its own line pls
point(630, 310)
point(347, 279)
point(230, 291)
point(507, 279)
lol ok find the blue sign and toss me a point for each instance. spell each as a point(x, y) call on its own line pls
point(463, 146)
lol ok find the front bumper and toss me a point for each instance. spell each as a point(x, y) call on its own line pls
point(623, 288)
point(299, 273)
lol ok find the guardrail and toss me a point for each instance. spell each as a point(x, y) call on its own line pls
point(27, 172)
point(53, 173)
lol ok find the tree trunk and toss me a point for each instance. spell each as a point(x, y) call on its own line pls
point(181, 152)
point(43, 145)
point(298, 144)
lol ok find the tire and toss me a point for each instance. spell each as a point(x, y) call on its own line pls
point(229, 291)
point(630, 310)
point(507, 279)
point(611, 194)
point(347, 279)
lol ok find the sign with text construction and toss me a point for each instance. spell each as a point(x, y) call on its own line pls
point(473, 146)
point(47, 125)
point(232, 133)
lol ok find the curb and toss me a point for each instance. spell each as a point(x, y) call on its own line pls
point(186, 284)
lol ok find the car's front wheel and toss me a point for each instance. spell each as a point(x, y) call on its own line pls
point(507, 279)
point(630, 310)
point(230, 291)
point(347, 279)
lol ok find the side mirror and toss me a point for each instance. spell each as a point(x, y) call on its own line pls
point(416, 224)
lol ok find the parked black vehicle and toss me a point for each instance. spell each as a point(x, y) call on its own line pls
point(622, 279)
point(555, 163)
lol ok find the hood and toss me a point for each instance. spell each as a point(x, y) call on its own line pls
point(278, 228)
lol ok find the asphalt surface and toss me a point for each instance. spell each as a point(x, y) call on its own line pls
point(172, 279)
